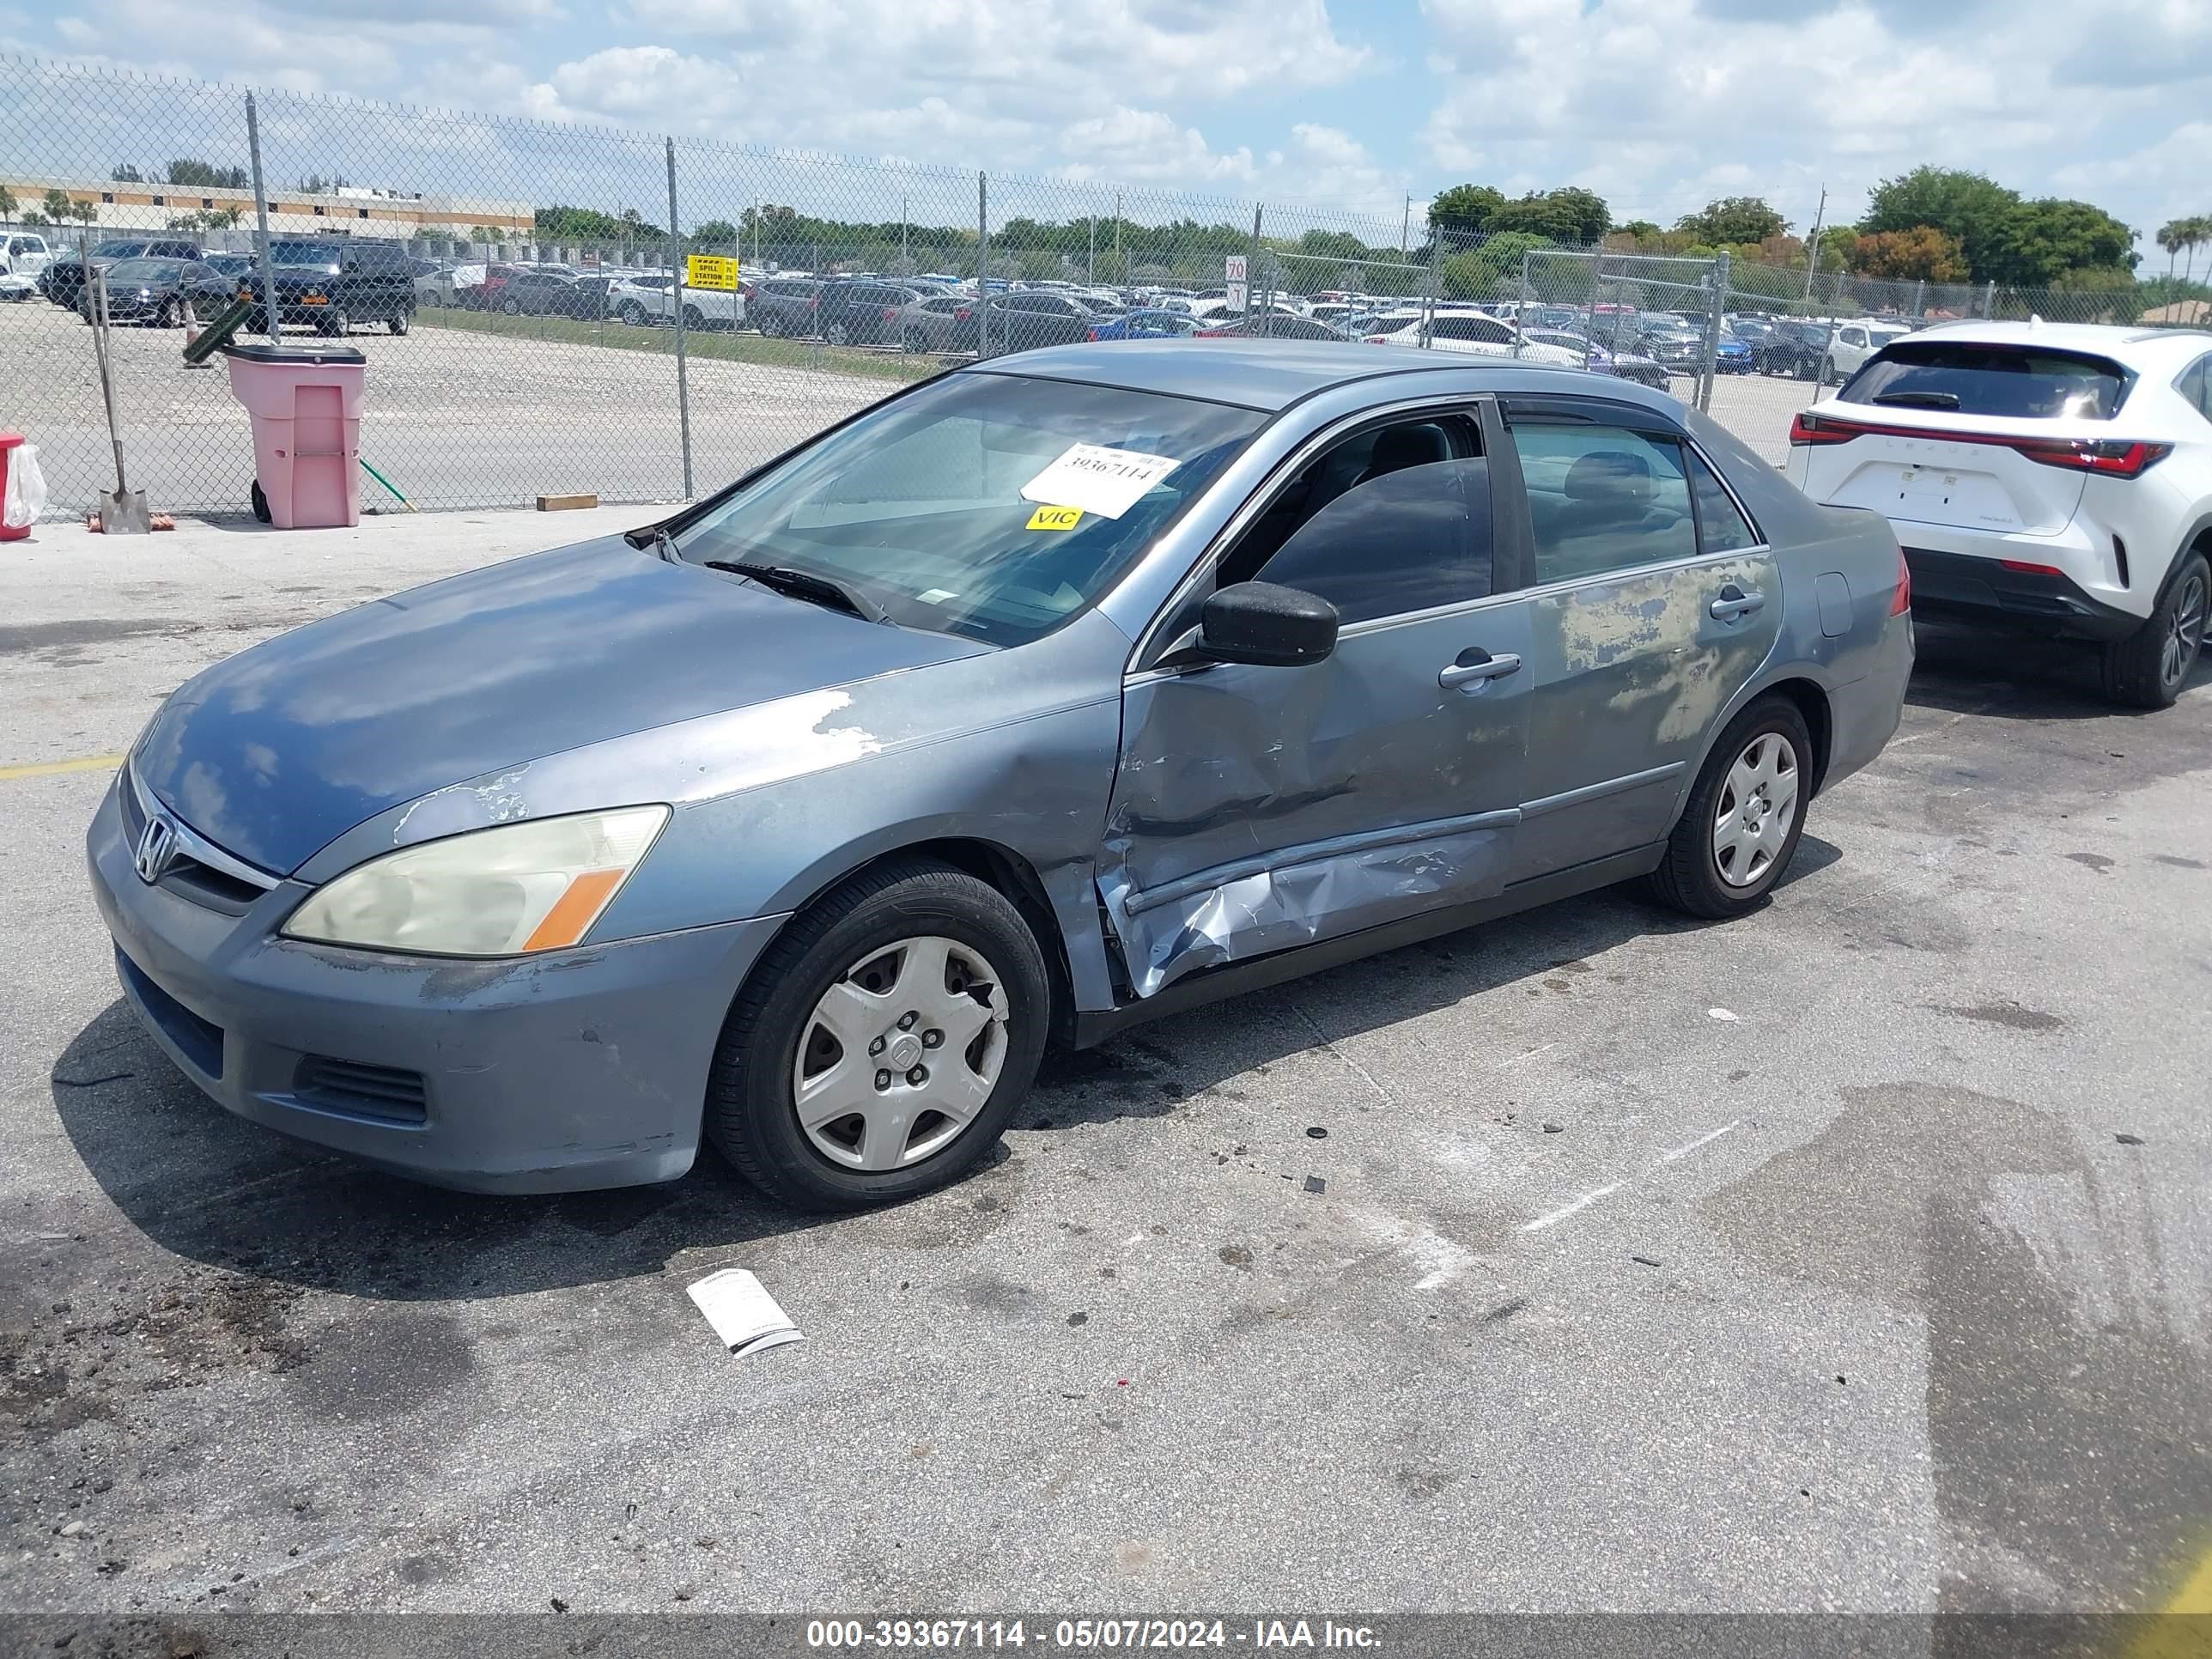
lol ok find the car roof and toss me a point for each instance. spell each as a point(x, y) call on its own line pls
point(2106, 339)
point(1273, 374)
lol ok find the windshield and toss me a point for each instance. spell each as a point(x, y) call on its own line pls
point(303, 253)
point(939, 506)
point(144, 270)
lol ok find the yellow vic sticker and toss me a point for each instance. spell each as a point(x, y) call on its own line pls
point(1056, 518)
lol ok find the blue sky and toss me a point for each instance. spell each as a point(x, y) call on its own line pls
point(1659, 105)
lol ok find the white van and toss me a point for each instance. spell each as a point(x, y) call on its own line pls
point(22, 254)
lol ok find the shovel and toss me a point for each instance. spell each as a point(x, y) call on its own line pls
point(123, 512)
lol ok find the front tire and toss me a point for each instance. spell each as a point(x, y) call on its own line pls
point(2147, 669)
point(1744, 819)
point(883, 1042)
point(400, 322)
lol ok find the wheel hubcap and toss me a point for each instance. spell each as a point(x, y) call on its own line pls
point(2187, 633)
point(1757, 805)
point(900, 1055)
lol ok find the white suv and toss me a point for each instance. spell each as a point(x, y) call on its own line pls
point(2050, 478)
point(1474, 333)
point(1852, 343)
point(645, 298)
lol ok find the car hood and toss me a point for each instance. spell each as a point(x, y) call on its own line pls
point(276, 751)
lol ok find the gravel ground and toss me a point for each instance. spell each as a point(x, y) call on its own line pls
point(458, 418)
point(1853, 1256)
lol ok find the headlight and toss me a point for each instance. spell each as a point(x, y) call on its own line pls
point(501, 892)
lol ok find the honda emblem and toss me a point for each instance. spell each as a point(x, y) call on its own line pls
point(157, 845)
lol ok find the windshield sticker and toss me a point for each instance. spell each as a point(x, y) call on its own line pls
point(1056, 518)
point(1093, 478)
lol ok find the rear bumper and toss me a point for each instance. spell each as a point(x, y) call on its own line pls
point(578, 1069)
point(1964, 587)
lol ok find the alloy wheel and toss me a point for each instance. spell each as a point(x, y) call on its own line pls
point(900, 1055)
point(2187, 633)
point(1757, 805)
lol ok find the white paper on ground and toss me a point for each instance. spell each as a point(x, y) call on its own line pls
point(1097, 479)
point(744, 1315)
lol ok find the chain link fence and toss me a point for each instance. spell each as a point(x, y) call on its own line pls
point(549, 309)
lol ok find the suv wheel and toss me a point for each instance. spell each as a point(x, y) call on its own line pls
point(836, 334)
point(631, 313)
point(2147, 669)
point(881, 1044)
point(1742, 825)
point(399, 323)
point(510, 307)
point(336, 320)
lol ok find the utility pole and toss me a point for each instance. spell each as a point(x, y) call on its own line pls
point(1812, 249)
point(1404, 226)
point(1121, 271)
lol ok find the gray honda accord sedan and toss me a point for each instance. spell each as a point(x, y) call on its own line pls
point(1043, 697)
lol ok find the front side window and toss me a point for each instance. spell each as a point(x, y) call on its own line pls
point(1391, 520)
point(920, 508)
point(1603, 498)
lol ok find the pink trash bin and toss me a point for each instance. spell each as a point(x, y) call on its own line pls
point(305, 405)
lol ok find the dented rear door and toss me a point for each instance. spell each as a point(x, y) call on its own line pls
point(1638, 640)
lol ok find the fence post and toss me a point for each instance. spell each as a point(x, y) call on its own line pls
point(1920, 299)
point(270, 315)
point(683, 376)
point(1252, 269)
point(1990, 302)
point(1428, 334)
point(982, 265)
point(1520, 310)
point(1719, 277)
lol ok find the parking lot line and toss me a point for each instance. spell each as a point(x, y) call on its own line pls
point(52, 769)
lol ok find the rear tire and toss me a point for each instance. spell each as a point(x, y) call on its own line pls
point(2147, 669)
point(752, 1115)
point(400, 324)
point(260, 502)
point(1723, 858)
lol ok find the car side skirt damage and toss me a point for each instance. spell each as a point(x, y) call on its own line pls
point(1257, 973)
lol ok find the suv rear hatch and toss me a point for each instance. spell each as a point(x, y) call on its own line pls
point(2000, 437)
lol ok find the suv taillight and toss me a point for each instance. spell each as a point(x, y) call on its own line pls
point(2111, 458)
point(890, 313)
point(1806, 428)
point(1901, 601)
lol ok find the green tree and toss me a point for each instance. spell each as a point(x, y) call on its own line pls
point(1922, 254)
point(2037, 242)
point(1465, 208)
point(7, 203)
point(1734, 219)
point(574, 224)
point(124, 174)
point(1570, 213)
point(188, 170)
point(1491, 271)
point(1638, 228)
point(713, 234)
point(1970, 206)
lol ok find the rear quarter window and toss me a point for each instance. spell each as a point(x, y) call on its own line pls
point(2009, 381)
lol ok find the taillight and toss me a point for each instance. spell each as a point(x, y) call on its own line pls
point(961, 315)
point(890, 313)
point(1377, 339)
point(1093, 332)
point(1805, 428)
point(2027, 567)
point(2111, 458)
point(1901, 601)
point(814, 302)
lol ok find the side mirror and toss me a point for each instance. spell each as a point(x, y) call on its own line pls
point(1267, 625)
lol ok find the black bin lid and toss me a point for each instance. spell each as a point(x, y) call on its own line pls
point(286, 353)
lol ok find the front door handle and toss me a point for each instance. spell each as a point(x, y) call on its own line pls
point(1483, 666)
point(1735, 602)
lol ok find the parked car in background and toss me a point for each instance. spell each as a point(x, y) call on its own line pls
point(785, 306)
point(161, 292)
point(1732, 355)
point(448, 286)
point(526, 291)
point(927, 322)
point(1852, 343)
point(1388, 714)
point(1148, 323)
point(1794, 347)
point(1024, 319)
point(2050, 479)
point(863, 311)
point(22, 254)
point(62, 279)
point(1628, 365)
point(235, 266)
point(1267, 327)
point(1470, 332)
point(332, 282)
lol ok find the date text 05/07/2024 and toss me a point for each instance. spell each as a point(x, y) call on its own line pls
point(1109, 1634)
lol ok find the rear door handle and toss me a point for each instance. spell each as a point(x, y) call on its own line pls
point(1483, 667)
point(1736, 602)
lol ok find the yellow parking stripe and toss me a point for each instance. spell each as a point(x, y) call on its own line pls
point(2184, 1630)
point(53, 768)
point(2196, 1597)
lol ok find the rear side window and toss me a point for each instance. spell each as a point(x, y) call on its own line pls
point(1603, 498)
point(2016, 382)
point(1721, 527)
point(2195, 385)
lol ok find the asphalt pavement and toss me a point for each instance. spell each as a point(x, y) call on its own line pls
point(1854, 1255)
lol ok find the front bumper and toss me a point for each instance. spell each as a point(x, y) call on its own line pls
point(1964, 587)
point(578, 1069)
